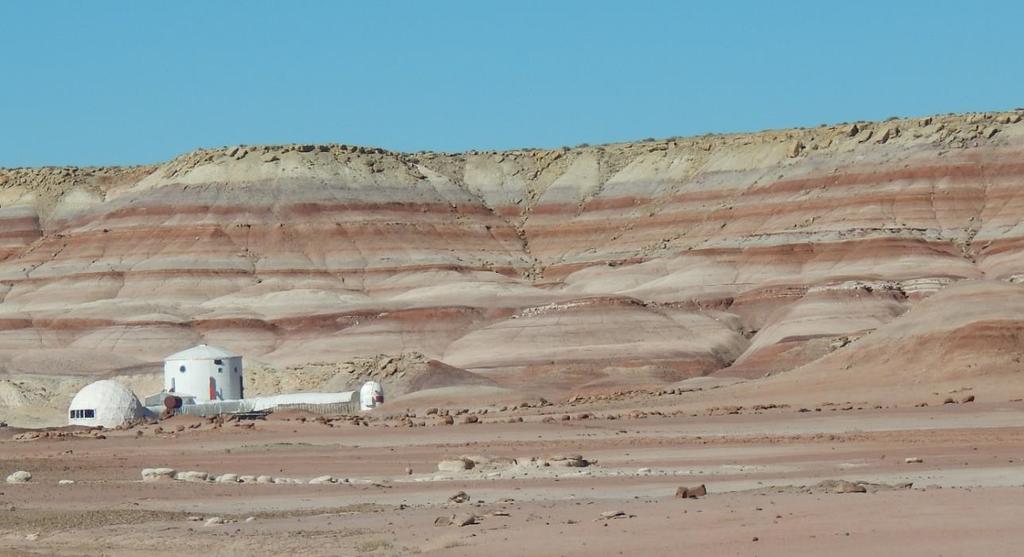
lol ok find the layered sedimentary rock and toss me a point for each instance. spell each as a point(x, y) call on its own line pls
point(745, 254)
point(967, 337)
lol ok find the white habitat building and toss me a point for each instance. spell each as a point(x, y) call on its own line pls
point(370, 396)
point(206, 381)
point(206, 373)
point(104, 403)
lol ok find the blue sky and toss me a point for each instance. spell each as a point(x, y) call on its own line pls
point(104, 82)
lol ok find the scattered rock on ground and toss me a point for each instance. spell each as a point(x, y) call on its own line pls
point(691, 492)
point(455, 465)
point(191, 476)
point(575, 461)
point(155, 474)
point(841, 486)
point(19, 477)
point(465, 519)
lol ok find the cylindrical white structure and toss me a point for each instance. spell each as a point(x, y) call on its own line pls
point(104, 403)
point(371, 395)
point(206, 373)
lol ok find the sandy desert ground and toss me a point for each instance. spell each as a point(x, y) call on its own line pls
point(771, 473)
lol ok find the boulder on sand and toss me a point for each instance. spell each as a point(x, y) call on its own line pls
point(574, 461)
point(19, 477)
point(455, 465)
point(191, 476)
point(156, 474)
point(691, 492)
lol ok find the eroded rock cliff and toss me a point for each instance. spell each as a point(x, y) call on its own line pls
point(568, 269)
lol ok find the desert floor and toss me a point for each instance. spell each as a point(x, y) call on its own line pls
point(762, 469)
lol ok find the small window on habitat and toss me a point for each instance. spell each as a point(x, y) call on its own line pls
point(74, 414)
point(182, 369)
point(220, 370)
point(89, 413)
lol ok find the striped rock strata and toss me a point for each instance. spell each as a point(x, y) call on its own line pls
point(649, 262)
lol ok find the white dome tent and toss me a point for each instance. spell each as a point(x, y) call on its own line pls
point(104, 403)
point(205, 372)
